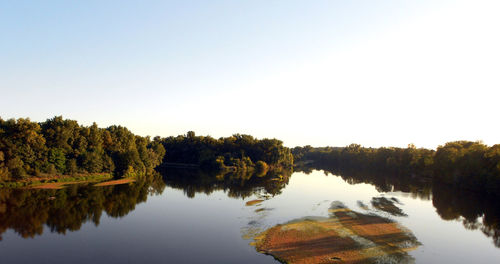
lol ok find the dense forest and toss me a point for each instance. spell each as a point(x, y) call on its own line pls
point(63, 147)
point(241, 153)
point(462, 163)
point(58, 146)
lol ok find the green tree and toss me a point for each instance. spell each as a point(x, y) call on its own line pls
point(57, 157)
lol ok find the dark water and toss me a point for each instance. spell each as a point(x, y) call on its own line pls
point(188, 217)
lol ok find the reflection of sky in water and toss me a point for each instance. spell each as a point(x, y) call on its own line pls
point(208, 228)
point(443, 241)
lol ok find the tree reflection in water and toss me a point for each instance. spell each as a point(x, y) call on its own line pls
point(26, 211)
point(474, 209)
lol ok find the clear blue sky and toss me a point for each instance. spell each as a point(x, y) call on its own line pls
point(307, 72)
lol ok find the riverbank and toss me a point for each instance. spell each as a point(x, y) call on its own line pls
point(56, 181)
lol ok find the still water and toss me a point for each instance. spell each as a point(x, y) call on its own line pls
point(187, 217)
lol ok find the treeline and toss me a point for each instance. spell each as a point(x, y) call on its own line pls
point(58, 146)
point(463, 163)
point(63, 147)
point(241, 153)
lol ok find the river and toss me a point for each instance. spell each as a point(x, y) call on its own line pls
point(190, 217)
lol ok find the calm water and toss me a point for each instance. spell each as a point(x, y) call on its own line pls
point(170, 219)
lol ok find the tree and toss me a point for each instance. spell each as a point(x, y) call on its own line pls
point(58, 159)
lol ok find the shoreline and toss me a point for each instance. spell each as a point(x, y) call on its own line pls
point(56, 181)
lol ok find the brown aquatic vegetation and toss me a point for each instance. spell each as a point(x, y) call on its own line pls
point(387, 205)
point(345, 237)
point(253, 202)
point(116, 182)
point(263, 210)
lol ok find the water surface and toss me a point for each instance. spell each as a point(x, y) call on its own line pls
point(189, 217)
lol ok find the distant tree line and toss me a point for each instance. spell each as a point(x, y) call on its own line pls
point(63, 147)
point(463, 163)
point(59, 146)
point(238, 152)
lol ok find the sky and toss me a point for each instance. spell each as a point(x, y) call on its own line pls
point(376, 73)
